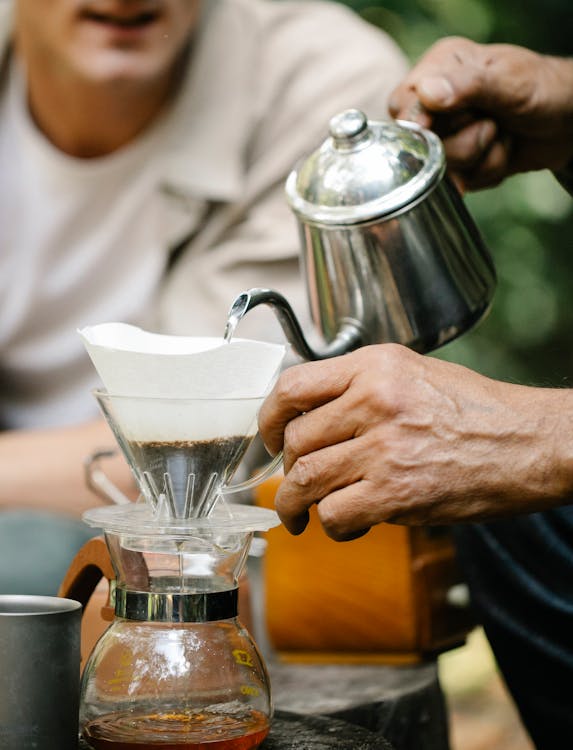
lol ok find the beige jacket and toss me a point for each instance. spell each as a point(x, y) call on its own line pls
point(264, 79)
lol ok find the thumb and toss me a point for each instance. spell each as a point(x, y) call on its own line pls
point(466, 75)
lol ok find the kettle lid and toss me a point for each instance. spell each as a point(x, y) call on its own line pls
point(365, 170)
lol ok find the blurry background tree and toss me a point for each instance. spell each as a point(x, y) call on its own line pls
point(527, 222)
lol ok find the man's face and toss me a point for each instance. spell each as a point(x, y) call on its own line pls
point(105, 41)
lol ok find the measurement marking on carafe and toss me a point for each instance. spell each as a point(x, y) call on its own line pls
point(243, 657)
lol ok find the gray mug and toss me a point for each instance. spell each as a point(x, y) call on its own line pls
point(39, 672)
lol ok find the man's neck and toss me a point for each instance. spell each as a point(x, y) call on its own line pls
point(88, 120)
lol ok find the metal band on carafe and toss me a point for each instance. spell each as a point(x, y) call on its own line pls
point(146, 606)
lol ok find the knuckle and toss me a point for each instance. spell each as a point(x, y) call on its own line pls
point(284, 387)
point(381, 358)
point(453, 45)
point(292, 382)
point(384, 377)
point(397, 355)
point(303, 474)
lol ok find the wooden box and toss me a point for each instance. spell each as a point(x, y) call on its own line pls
point(383, 598)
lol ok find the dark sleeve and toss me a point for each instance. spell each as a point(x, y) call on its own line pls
point(565, 177)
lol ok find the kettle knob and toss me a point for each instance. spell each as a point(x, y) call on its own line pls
point(348, 128)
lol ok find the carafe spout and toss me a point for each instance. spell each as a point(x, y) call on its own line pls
point(349, 337)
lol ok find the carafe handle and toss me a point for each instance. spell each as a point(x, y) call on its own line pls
point(257, 479)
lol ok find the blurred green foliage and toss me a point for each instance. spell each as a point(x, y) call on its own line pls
point(527, 221)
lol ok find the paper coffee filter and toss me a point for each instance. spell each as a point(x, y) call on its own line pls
point(134, 362)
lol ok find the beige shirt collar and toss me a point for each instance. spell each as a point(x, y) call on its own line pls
point(211, 118)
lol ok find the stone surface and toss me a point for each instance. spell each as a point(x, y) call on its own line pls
point(405, 705)
point(291, 731)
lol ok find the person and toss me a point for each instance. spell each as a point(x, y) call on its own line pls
point(144, 145)
point(385, 434)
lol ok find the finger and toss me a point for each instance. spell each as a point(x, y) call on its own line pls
point(311, 478)
point(300, 389)
point(446, 124)
point(334, 422)
point(294, 523)
point(347, 514)
point(492, 169)
point(351, 536)
point(467, 148)
point(408, 106)
point(312, 431)
point(428, 86)
point(458, 74)
point(441, 123)
point(405, 105)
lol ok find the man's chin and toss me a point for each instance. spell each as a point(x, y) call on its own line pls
point(121, 68)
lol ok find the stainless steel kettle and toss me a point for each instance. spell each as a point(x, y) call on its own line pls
point(389, 251)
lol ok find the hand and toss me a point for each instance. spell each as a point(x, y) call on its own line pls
point(499, 109)
point(384, 434)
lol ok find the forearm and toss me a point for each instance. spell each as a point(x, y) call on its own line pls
point(522, 462)
point(44, 469)
point(554, 473)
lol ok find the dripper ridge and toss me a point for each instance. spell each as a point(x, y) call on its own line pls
point(167, 499)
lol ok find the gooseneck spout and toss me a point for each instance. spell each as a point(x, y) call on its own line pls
point(349, 337)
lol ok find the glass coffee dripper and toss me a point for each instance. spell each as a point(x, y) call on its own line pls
point(183, 452)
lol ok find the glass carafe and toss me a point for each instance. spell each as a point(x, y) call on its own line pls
point(176, 669)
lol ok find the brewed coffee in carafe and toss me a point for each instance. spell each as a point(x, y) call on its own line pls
point(176, 670)
point(205, 732)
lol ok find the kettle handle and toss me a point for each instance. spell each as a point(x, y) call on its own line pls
point(349, 337)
